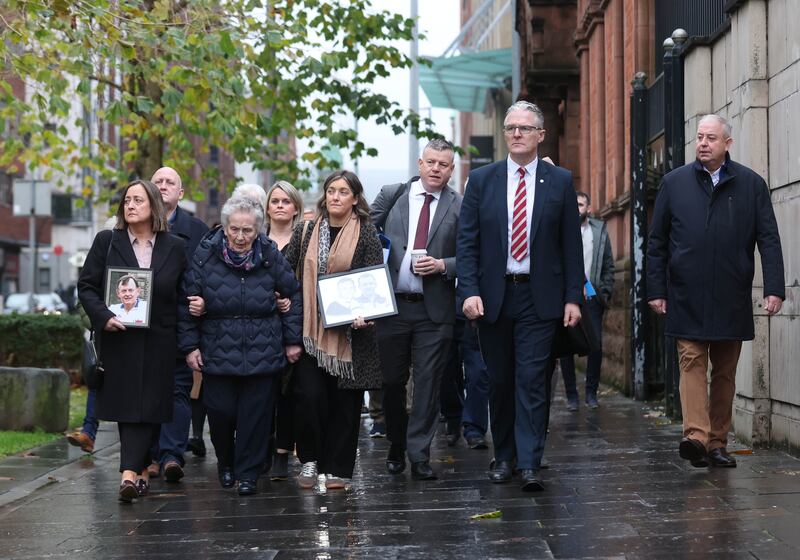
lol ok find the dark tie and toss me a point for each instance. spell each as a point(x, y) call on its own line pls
point(421, 237)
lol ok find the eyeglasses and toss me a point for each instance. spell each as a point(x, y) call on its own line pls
point(523, 129)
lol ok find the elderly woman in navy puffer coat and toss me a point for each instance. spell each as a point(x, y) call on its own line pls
point(232, 332)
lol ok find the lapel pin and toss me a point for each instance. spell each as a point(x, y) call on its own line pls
point(541, 180)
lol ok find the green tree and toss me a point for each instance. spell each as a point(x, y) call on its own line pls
point(175, 77)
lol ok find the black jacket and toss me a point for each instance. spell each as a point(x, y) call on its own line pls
point(139, 363)
point(364, 342)
point(241, 332)
point(700, 256)
point(188, 228)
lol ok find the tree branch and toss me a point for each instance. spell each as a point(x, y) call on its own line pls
point(108, 82)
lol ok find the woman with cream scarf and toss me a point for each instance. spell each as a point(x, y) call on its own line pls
point(339, 363)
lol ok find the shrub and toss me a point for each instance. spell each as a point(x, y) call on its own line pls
point(45, 341)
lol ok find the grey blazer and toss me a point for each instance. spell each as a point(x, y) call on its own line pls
point(389, 213)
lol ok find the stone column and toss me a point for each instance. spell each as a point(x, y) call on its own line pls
point(749, 116)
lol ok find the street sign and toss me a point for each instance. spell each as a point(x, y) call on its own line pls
point(34, 195)
point(58, 250)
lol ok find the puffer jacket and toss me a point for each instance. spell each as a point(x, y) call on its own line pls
point(241, 332)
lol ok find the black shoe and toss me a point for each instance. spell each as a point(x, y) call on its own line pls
point(422, 470)
point(694, 452)
point(247, 487)
point(225, 477)
point(500, 471)
point(396, 460)
point(280, 467)
point(378, 430)
point(173, 471)
point(127, 491)
point(572, 403)
point(591, 401)
point(719, 458)
point(531, 481)
point(476, 442)
point(453, 436)
point(197, 446)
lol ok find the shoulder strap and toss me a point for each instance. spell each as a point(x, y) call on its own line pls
point(302, 240)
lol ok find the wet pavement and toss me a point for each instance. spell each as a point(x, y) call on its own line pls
point(615, 489)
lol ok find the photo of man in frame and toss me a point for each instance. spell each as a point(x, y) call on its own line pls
point(127, 298)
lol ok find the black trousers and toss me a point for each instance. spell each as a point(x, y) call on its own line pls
point(240, 409)
point(135, 442)
point(284, 417)
point(326, 419)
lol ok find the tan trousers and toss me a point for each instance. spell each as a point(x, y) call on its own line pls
point(707, 407)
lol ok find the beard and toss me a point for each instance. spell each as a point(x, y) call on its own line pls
point(584, 216)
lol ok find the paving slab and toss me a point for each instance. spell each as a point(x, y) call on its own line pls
point(616, 488)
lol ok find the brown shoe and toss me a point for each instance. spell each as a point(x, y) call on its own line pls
point(173, 471)
point(154, 470)
point(79, 439)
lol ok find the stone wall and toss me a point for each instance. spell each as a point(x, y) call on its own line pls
point(754, 75)
point(32, 398)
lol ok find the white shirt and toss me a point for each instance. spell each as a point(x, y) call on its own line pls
point(588, 247)
point(512, 265)
point(714, 175)
point(136, 316)
point(407, 282)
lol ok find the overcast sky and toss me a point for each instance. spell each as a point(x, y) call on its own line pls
point(439, 21)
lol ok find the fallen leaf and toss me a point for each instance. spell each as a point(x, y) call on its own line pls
point(488, 515)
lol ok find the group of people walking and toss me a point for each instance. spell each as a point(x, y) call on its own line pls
point(495, 273)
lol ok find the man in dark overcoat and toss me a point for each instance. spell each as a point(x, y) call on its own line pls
point(175, 434)
point(709, 216)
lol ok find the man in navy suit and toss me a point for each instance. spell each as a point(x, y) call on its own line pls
point(520, 273)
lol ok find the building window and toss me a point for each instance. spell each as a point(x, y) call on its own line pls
point(213, 155)
point(213, 197)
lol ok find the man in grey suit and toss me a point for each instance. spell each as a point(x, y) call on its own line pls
point(421, 214)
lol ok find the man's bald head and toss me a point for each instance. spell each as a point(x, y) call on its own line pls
point(169, 184)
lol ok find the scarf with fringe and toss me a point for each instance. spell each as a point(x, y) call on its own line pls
point(331, 347)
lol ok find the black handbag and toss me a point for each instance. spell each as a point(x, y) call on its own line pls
point(579, 340)
point(91, 368)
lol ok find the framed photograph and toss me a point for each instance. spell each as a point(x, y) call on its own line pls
point(128, 295)
point(366, 292)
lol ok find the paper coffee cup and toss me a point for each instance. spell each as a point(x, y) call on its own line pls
point(416, 254)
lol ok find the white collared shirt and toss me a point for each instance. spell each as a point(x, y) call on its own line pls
point(587, 236)
point(714, 175)
point(512, 265)
point(407, 282)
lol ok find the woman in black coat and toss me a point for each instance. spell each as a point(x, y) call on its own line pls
point(340, 362)
point(139, 362)
point(232, 332)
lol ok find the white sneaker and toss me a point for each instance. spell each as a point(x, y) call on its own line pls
point(335, 482)
point(308, 475)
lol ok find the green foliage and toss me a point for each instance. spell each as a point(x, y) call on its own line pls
point(13, 442)
point(168, 72)
point(45, 341)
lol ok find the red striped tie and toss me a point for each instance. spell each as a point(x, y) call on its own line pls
point(519, 230)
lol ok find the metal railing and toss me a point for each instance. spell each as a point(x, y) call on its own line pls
point(655, 108)
point(700, 18)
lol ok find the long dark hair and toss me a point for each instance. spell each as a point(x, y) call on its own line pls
point(158, 217)
point(352, 180)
